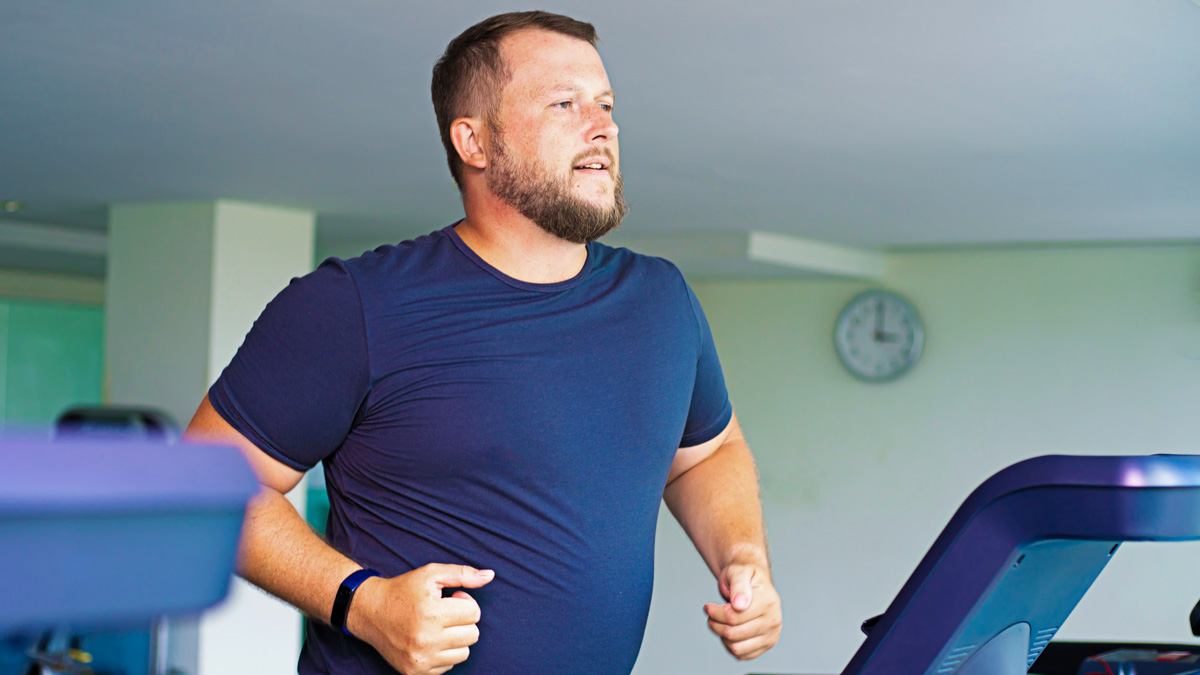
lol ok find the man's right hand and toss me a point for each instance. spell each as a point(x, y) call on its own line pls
point(410, 624)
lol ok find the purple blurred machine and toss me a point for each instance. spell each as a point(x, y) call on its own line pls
point(116, 531)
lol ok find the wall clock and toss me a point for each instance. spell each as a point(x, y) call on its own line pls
point(878, 336)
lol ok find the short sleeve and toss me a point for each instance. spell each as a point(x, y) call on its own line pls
point(298, 380)
point(710, 409)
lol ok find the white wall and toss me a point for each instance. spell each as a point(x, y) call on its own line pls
point(185, 283)
point(1028, 352)
point(158, 293)
point(256, 251)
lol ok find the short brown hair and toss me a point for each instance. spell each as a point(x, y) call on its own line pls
point(469, 76)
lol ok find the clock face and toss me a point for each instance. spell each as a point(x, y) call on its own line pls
point(878, 336)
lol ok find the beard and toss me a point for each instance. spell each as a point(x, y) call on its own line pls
point(546, 199)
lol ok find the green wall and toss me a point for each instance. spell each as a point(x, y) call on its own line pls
point(51, 357)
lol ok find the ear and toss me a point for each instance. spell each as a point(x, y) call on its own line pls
point(468, 136)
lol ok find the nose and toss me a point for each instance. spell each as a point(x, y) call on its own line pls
point(602, 127)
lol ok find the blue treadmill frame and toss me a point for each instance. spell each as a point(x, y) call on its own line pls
point(1019, 554)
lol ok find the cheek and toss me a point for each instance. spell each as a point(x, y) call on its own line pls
point(544, 148)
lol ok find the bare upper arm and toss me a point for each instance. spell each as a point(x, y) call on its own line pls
point(686, 458)
point(208, 425)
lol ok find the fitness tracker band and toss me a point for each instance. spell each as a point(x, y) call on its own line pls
point(345, 593)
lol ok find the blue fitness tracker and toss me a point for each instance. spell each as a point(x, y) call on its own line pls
point(345, 593)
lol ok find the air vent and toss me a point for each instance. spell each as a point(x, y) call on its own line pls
point(955, 659)
point(1040, 640)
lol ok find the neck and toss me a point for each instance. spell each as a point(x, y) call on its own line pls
point(515, 245)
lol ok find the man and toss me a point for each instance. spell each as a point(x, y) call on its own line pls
point(500, 405)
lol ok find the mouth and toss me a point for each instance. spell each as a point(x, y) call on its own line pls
point(592, 165)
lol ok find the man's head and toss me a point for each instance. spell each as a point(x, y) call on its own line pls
point(523, 102)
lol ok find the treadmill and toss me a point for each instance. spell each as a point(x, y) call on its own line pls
point(1017, 557)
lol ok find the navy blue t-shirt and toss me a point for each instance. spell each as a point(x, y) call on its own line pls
point(468, 417)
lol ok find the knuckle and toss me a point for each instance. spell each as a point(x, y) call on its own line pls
point(426, 613)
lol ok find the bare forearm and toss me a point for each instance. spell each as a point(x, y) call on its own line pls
point(717, 503)
point(281, 554)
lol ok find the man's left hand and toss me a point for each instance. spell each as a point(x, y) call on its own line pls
point(750, 621)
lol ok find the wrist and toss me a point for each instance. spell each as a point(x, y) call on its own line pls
point(352, 602)
point(747, 554)
point(360, 619)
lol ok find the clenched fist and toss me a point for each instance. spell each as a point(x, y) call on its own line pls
point(750, 622)
point(410, 624)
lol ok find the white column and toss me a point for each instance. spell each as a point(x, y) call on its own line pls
point(185, 282)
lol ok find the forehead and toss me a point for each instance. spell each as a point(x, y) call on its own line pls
point(540, 58)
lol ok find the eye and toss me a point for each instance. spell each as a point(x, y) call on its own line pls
point(562, 105)
point(606, 107)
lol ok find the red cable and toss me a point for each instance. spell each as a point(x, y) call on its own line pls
point(1108, 671)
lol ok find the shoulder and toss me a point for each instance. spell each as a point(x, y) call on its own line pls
point(656, 281)
point(391, 272)
point(389, 259)
point(624, 262)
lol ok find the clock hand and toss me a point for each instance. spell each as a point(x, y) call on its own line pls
point(879, 321)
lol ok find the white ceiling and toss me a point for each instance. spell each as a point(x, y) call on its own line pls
point(870, 123)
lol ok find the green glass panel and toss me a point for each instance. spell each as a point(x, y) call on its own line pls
point(317, 509)
point(3, 359)
point(55, 360)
